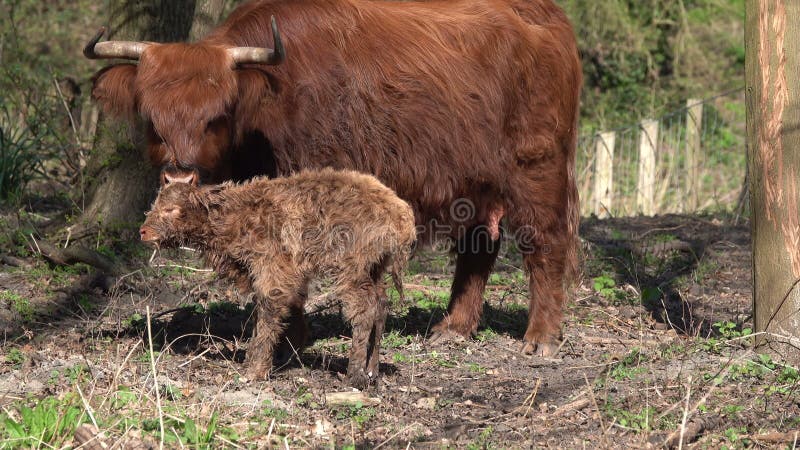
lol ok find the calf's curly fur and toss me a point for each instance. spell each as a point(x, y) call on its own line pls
point(275, 235)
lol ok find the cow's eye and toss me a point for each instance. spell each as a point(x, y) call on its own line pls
point(216, 123)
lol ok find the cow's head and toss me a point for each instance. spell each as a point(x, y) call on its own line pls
point(187, 95)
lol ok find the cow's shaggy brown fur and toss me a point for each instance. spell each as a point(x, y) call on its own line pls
point(468, 102)
point(281, 233)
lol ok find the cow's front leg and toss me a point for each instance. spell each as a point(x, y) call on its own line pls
point(476, 254)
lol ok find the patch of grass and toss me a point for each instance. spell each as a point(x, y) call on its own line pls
point(85, 303)
point(15, 357)
point(704, 269)
point(400, 358)
point(50, 423)
point(617, 235)
point(395, 340)
point(134, 322)
point(672, 350)
point(122, 398)
point(483, 441)
point(76, 373)
point(606, 286)
point(485, 335)
point(19, 304)
point(641, 420)
point(629, 366)
point(441, 360)
point(503, 279)
point(185, 432)
point(21, 155)
point(729, 330)
point(432, 300)
point(358, 413)
point(49, 279)
point(273, 412)
point(476, 368)
point(304, 397)
point(732, 410)
point(733, 435)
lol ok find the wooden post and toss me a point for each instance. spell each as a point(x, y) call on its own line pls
point(645, 190)
point(603, 173)
point(694, 126)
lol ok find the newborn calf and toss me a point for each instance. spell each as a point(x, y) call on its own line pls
point(275, 235)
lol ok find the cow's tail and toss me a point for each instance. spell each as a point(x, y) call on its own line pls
point(573, 205)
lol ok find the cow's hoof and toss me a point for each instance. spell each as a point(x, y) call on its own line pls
point(541, 349)
point(258, 373)
point(443, 335)
point(358, 379)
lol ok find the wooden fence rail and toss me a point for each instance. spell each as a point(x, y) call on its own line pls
point(686, 161)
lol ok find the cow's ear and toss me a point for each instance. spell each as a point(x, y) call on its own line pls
point(257, 88)
point(113, 90)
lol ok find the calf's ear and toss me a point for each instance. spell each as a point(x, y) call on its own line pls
point(113, 90)
point(198, 198)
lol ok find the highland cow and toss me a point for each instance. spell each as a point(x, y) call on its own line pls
point(458, 102)
point(276, 235)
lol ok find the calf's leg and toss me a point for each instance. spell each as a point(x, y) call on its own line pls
point(359, 299)
point(296, 333)
point(270, 312)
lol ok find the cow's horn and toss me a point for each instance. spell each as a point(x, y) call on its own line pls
point(258, 55)
point(112, 49)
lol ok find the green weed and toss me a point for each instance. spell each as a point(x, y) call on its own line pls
point(19, 304)
point(50, 422)
point(15, 357)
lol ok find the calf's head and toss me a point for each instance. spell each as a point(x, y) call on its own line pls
point(179, 216)
point(188, 96)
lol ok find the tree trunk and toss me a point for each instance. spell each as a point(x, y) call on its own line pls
point(206, 14)
point(772, 40)
point(121, 182)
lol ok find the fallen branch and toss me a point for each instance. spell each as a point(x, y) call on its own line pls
point(350, 398)
point(77, 254)
point(692, 431)
point(777, 437)
point(575, 405)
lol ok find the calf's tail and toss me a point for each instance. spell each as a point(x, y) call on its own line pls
point(397, 263)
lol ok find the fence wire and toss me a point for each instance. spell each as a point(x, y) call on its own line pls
point(689, 166)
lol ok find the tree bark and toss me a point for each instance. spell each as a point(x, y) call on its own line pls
point(121, 182)
point(206, 15)
point(772, 40)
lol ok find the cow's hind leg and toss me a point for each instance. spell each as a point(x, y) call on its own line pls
point(476, 253)
point(540, 223)
point(360, 301)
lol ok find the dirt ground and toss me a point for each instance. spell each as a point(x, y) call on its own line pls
point(655, 350)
